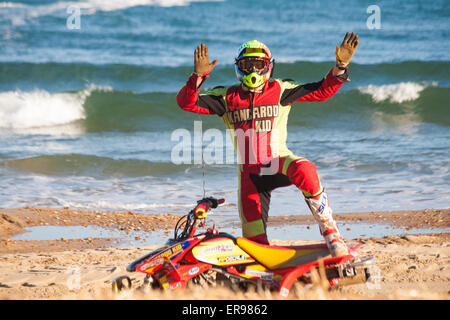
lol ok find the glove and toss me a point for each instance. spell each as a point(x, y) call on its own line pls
point(345, 51)
point(202, 67)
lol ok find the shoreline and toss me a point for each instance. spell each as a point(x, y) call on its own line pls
point(14, 221)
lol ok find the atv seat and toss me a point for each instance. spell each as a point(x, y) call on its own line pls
point(275, 257)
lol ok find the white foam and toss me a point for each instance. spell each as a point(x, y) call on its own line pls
point(395, 93)
point(123, 206)
point(39, 108)
point(112, 5)
point(8, 4)
point(92, 6)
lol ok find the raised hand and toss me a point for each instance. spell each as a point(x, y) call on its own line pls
point(345, 51)
point(201, 61)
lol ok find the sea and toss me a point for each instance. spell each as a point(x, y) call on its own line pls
point(89, 119)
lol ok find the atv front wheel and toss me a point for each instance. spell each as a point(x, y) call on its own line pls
point(120, 283)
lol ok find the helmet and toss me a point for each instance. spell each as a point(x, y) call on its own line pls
point(253, 64)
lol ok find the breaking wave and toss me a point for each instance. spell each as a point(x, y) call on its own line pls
point(395, 93)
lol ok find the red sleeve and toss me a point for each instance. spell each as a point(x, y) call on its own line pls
point(315, 91)
point(188, 96)
point(329, 86)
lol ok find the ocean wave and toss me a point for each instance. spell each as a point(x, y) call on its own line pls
point(40, 108)
point(147, 78)
point(146, 32)
point(91, 166)
point(113, 5)
point(8, 4)
point(89, 7)
point(100, 109)
point(396, 93)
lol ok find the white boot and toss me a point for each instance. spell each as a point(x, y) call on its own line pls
point(322, 213)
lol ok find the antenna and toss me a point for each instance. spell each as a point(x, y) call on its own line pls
point(203, 165)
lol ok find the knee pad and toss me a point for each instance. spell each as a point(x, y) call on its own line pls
point(303, 174)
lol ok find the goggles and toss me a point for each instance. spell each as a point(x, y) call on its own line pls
point(253, 64)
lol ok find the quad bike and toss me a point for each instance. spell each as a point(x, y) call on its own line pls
point(214, 257)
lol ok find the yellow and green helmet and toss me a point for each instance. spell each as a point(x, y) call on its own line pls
point(254, 64)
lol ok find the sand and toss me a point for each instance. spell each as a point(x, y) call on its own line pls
point(410, 266)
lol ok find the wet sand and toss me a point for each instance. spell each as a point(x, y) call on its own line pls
point(411, 266)
point(14, 221)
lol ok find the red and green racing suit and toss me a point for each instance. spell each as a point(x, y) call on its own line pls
point(257, 122)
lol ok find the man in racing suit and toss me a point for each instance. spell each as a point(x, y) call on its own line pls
point(256, 114)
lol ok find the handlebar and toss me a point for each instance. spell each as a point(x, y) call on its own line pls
point(205, 204)
point(185, 227)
